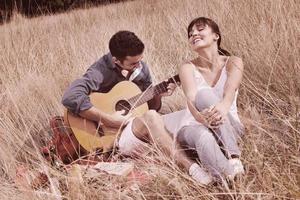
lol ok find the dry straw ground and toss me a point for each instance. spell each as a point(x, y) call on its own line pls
point(39, 57)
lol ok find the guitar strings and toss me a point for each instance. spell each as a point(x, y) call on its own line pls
point(141, 98)
point(148, 94)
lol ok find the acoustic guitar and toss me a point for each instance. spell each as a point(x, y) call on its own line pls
point(123, 96)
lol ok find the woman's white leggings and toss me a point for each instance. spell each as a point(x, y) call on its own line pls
point(214, 147)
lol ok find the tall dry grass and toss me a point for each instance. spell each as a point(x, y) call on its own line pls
point(41, 56)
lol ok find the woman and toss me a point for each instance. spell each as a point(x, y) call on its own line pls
point(210, 82)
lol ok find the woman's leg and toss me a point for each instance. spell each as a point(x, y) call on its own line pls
point(202, 140)
point(150, 128)
point(226, 134)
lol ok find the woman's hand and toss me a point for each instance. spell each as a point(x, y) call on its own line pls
point(217, 114)
point(199, 116)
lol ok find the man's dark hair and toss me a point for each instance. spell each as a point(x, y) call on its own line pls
point(125, 43)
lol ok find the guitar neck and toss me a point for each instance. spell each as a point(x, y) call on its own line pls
point(152, 92)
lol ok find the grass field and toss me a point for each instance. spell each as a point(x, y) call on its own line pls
point(39, 57)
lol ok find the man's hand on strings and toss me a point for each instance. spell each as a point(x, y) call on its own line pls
point(170, 89)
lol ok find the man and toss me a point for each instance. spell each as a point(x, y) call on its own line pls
point(121, 63)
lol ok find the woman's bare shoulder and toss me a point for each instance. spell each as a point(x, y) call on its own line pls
point(186, 67)
point(235, 61)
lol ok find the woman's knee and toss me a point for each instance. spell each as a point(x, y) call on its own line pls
point(205, 98)
point(143, 125)
point(152, 118)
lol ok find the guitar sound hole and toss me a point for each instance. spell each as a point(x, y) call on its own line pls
point(123, 105)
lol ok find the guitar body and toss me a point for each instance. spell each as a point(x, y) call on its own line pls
point(122, 91)
point(88, 133)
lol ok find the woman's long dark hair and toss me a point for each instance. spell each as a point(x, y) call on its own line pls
point(213, 26)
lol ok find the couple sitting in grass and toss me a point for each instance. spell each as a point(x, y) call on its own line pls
point(210, 124)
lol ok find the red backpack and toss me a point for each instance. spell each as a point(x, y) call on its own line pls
point(63, 145)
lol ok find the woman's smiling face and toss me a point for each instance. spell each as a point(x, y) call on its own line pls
point(202, 36)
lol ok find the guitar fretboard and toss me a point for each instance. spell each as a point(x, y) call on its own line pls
point(152, 92)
